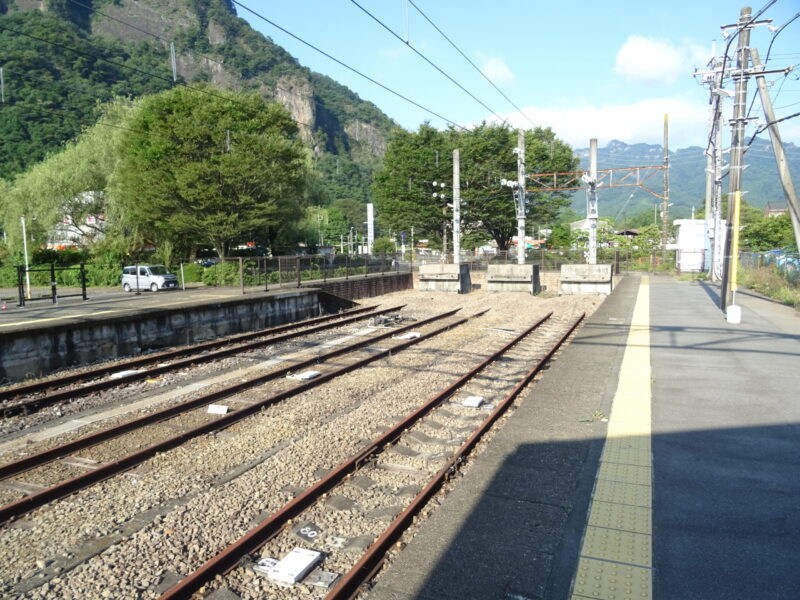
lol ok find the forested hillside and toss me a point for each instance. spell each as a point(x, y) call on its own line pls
point(61, 62)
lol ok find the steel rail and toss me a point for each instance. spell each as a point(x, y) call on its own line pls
point(348, 586)
point(7, 393)
point(33, 404)
point(106, 470)
point(45, 456)
point(257, 537)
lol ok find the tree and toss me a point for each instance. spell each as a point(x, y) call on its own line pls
point(403, 187)
point(69, 186)
point(404, 192)
point(649, 238)
point(768, 233)
point(209, 168)
point(382, 245)
point(561, 237)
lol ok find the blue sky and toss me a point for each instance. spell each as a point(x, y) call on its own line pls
point(609, 70)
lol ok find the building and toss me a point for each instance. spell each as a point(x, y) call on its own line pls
point(774, 209)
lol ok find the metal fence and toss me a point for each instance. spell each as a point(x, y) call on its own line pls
point(266, 273)
point(552, 259)
point(786, 264)
point(42, 282)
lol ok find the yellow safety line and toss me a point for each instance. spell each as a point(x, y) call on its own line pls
point(107, 312)
point(616, 554)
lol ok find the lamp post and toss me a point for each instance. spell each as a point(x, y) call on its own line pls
point(443, 198)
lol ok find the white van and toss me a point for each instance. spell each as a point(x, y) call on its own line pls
point(149, 277)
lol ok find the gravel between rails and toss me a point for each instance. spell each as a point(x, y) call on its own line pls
point(47, 415)
point(284, 448)
point(200, 373)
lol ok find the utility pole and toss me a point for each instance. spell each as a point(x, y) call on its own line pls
point(25, 251)
point(173, 61)
point(456, 206)
point(521, 194)
point(2, 87)
point(370, 227)
point(719, 231)
point(591, 202)
point(777, 148)
point(737, 149)
point(665, 200)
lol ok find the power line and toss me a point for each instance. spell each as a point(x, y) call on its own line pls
point(776, 33)
point(426, 59)
point(346, 66)
point(184, 49)
point(519, 110)
point(136, 27)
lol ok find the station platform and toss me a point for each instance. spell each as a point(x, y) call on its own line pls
point(658, 457)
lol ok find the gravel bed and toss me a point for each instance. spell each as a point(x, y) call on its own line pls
point(100, 400)
point(312, 433)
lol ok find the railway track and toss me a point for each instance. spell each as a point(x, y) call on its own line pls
point(28, 398)
point(100, 471)
point(346, 510)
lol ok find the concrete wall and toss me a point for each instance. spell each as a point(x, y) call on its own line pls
point(550, 280)
point(442, 277)
point(38, 352)
point(586, 279)
point(513, 278)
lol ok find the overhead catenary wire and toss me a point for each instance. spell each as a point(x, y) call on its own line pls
point(426, 59)
point(346, 66)
point(166, 41)
point(519, 110)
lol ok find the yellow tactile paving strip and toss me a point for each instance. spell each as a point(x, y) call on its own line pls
point(616, 554)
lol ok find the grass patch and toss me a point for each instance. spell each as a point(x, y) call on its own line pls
point(770, 282)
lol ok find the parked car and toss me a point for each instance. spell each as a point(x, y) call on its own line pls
point(149, 277)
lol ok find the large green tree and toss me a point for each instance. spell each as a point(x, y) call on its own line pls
point(768, 233)
point(414, 160)
point(210, 168)
point(70, 186)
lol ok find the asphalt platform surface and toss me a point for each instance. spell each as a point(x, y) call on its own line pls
point(725, 430)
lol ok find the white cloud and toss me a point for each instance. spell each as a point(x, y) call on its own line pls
point(497, 71)
point(649, 61)
point(631, 123)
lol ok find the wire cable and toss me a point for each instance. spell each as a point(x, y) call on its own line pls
point(136, 27)
point(426, 59)
point(346, 66)
point(474, 66)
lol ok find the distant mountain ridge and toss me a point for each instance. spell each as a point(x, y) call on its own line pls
point(687, 177)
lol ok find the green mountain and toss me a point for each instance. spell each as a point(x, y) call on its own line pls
point(687, 178)
point(60, 58)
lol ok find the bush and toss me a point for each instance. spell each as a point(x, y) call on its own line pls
point(192, 272)
point(226, 274)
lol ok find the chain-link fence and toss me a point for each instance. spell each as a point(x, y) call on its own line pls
point(784, 264)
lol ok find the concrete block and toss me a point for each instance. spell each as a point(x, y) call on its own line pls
point(513, 278)
point(445, 278)
point(586, 279)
